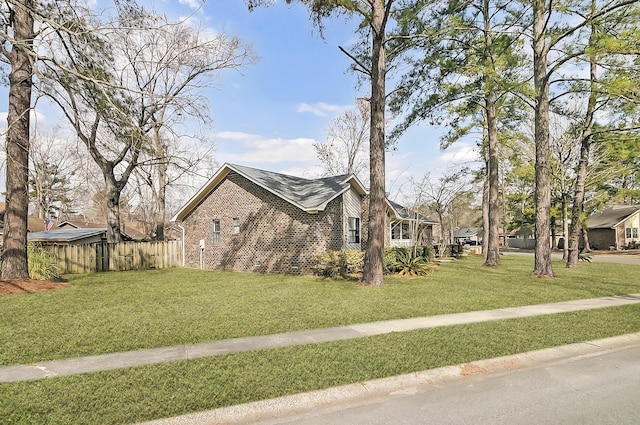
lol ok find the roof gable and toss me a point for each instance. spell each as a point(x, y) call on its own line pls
point(400, 212)
point(310, 195)
point(611, 217)
point(465, 232)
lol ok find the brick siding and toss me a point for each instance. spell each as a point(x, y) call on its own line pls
point(275, 236)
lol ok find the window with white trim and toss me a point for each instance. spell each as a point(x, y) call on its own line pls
point(353, 230)
point(216, 231)
point(400, 231)
point(236, 226)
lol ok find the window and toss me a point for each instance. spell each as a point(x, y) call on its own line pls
point(216, 231)
point(400, 231)
point(628, 232)
point(236, 226)
point(354, 230)
point(635, 232)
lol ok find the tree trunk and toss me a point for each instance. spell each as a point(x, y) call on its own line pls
point(485, 211)
point(565, 228)
point(542, 250)
point(374, 256)
point(14, 255)
point(585, 237)
point(493, 244)
point(113, 209)
point(505, 240)
point(161, 201)
point(581, 172)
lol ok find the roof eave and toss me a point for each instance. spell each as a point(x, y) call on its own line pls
point(201, 194)
point(625, 219)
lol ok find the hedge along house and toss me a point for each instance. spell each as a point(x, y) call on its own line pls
point(245, 219)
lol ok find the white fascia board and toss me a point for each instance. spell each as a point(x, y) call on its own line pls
point(201, 194)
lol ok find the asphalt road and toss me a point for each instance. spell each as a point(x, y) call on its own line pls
point(597, 390)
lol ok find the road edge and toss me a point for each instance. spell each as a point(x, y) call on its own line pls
point(303, 402)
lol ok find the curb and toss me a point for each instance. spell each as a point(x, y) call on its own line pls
point(408, 383)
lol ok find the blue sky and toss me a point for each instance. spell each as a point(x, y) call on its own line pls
point(268, 114)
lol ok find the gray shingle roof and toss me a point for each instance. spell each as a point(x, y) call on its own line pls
point(64, 235)
point(465, 232)
point(609, 218)
point(309, 194)
point(404, 213)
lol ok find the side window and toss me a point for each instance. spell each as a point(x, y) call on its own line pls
point(216, 231)
point(405, 231)
point(628, 232)
point(354, 230)
point(396, 231)
point(236, 226)
point(635, 233)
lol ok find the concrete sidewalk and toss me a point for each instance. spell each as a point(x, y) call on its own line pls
point(112, 361)
point(299, 408)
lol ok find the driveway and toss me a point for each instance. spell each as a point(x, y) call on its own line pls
point(601, 258)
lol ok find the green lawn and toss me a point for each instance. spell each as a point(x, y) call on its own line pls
point(164, 390)
point(112, 312)
point(123, 311)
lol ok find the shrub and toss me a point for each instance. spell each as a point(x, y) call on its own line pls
point(43, 265)
point(353, 260)
point(390, 261)
point(633, 245)
point(427, 253)
point(404, 262)
point(338, 263)
point(407, 264)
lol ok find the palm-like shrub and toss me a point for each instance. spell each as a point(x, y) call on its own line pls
point(407, 264)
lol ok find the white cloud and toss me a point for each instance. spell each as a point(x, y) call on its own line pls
point(458, 154)
point(322, 109)
point(246, 148)
point(193, 4)
point(36, 118)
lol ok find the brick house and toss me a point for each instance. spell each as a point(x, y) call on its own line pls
point(245, 219)
point(614, 228)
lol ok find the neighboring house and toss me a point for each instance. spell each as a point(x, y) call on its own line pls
point(522, 238)
point(614, 228)
point(34, 224)
point(247, 219)
point(408, 227)
point(128, 233)
point(69, 236)
point(467, 235)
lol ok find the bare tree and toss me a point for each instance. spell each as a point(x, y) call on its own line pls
point(17, 28)
point(165, 64)
point(124, 82)
point(564, 155)
point(441, 195)
point(52, 174)
point(346, 150)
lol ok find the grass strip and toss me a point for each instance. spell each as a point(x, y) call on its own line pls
point(170, 389)
point(111, 312)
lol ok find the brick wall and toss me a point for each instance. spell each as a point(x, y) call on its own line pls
point(275, 236)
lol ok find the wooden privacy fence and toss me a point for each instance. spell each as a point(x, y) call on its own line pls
point(103, 256)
